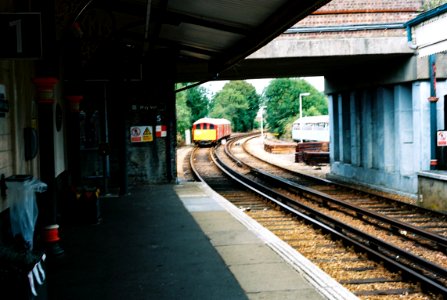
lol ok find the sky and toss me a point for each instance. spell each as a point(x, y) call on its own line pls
point(260, 84)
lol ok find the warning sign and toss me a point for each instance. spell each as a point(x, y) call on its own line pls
point(160, 131)
point(442, 138)
point(141, 134)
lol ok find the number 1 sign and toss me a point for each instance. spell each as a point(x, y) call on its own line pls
point(21, 35)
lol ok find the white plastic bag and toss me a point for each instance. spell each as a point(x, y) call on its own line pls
point(23, 207)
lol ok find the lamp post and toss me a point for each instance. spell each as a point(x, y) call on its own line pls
point(262, 123)
point(301, 110)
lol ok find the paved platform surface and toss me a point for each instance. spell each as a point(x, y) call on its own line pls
point(148, 246)
point(176, 242)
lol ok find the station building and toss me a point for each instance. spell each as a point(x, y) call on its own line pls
point(389, 131)
point(87, 97)
point(87, 88)
point(87, 94)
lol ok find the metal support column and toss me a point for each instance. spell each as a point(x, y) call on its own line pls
point(433, 116)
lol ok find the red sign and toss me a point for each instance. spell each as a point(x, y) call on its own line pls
point(442, 138)
point(161, 131)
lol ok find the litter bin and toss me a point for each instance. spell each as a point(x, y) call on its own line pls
point(23, 206)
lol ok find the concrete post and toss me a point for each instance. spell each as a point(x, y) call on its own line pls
point(333, 121)
point(388, 129)
point(403, 140)
point(346, 128)
point(341, 133)
point(366, 130)
point(355, 129)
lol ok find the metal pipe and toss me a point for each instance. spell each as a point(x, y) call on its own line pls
point(339, 28)
point(364, 11)
point(433, 116)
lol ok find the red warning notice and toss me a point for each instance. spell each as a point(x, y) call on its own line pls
point(442, 138)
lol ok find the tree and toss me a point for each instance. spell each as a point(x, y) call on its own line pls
point(198, 102)
point(239, 103)
point(191, 105)
point(281, 98)
point(183, 113)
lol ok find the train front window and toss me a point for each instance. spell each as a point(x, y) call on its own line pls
point(211, 126)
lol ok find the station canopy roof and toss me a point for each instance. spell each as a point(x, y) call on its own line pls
point(204, 37)
point(427, 31)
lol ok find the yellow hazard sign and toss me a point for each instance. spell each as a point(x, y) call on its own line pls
point(147, 135)
point(141, 134)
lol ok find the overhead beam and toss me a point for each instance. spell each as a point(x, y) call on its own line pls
point(293, 11)
point(177, 18)
point(188, 48)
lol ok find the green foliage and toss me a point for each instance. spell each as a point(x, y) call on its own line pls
point(237, 102)
point(281, 98)
point(191, 105)
point(428, 5)
point(183, 113)
point(198, 102)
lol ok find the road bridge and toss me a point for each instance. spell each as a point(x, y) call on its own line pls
point(376, 83)
point(339, 36)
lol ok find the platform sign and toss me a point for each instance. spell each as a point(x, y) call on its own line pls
point(141, 134)
point(20, 35)
point(442, 138)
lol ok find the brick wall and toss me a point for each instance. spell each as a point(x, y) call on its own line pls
point(354, 12)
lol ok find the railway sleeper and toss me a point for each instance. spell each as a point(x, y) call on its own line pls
point(379, 256)
point(386, 292)
point(370, 280)
point(347, 260)
point(359, 269)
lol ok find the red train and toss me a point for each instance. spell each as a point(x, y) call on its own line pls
point(209, 131)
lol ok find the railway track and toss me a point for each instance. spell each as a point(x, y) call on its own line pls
point(426, 227)
point(339, 244)
point(431, 223)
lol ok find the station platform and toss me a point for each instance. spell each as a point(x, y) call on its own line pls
point(180, 241)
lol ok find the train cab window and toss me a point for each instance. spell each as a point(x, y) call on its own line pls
point(211, 126)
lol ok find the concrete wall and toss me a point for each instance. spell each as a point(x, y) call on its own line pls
point(433, 190)
point(147, 161)
point(380, 135)
point(154, 162)
point(301, 41)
